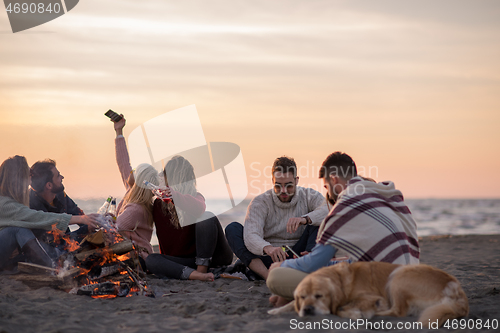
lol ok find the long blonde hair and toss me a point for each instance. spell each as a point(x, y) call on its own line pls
point(179, 176)
point(15, 179)
point(139, 194)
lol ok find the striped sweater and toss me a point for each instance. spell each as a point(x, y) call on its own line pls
point(267, 217)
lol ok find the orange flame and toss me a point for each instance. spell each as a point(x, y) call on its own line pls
point(123, 257)
point(60, 236)
point(103, 296)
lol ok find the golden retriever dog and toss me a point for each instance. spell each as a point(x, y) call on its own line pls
point(364, 289)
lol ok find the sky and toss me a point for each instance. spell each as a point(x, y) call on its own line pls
point(409, 89)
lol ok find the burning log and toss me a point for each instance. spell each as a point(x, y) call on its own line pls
point(99, 272)
point(118, 249)
point(107, 289)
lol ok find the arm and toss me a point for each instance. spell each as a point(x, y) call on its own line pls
point(316, 204)
point(317, 258)
point(317, 211)
point(123, 161)
point(122, 157)
point(253, 232)
point(14, 214)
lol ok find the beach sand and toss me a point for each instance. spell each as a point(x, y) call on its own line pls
point(232, 305)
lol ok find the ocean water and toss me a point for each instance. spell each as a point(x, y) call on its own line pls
point(456, 216)
point(433, 216)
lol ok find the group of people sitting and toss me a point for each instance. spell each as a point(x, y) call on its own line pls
point(289, 231)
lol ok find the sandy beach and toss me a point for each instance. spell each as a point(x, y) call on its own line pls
point(227, 305)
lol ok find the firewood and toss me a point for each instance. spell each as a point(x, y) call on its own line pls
point(30, 268)
point(99, 272)
point(70, 273)
point(118, 249)
point(96, 238)
point(122, 247)
point(39, 281)
point(38, 270)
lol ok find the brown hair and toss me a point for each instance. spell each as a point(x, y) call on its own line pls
point(41, 174)
point(14, 179)
point(179, 176)
point(338, 164)
point(284, 164)
point(139, 194)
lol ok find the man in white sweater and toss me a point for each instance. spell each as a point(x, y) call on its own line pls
point(285, 215)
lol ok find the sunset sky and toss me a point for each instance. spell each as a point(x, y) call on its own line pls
point(409, 89)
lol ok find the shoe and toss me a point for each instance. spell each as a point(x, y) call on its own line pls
point(36, 254)
point(217, 270)
point(10, 267)
point(237, 267)
point(252, 276)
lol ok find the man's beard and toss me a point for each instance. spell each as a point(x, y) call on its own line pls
point(56, 190)
point(288, 199)
point(331, 200)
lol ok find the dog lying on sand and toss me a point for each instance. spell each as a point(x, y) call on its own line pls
point(364, 289)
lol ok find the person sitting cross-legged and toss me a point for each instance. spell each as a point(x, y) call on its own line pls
point(285, 215)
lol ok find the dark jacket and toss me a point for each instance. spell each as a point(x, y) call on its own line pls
point(62, 204)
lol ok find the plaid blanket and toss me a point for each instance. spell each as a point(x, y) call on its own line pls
point(371, 222)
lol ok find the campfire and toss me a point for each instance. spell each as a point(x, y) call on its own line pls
point(102, 265)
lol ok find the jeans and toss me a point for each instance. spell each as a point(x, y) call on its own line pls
point(212, 250)
point(12, 238)
point(234, 235)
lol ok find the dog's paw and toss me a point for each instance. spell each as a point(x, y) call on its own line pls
point(381, 305)
point(286, 308)
point(351, 313)
point(274, 311)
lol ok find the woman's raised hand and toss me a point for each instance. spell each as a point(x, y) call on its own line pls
point(119, 125)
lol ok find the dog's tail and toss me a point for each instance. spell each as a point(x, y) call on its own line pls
point(454, 304)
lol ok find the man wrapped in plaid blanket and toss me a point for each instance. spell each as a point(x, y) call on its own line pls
point(370, 222)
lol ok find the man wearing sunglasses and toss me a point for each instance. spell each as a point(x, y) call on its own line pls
point(287, 214)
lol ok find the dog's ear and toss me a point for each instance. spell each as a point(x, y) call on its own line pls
point(296, 297)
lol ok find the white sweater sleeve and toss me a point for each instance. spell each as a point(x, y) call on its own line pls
point(253, 231)
point(317, 206)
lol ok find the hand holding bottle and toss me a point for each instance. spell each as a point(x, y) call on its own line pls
point(164, 193)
